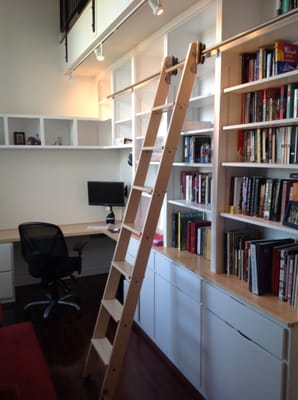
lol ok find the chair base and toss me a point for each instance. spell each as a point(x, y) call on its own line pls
point(51, 303)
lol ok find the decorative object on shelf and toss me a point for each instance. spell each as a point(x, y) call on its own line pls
point(291, 215)
point(58, 141)
point(33, 141)
point(19, 138)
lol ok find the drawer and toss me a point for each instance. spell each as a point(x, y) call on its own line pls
point(185, 280)
point(6, 285)
point(247, 321)
point(6, 256)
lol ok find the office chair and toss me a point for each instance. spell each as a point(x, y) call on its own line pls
point(45, 251)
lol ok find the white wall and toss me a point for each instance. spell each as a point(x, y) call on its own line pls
point(51, 185)
point(31, 68)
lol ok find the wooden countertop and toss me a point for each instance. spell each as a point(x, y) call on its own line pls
point(11, 235)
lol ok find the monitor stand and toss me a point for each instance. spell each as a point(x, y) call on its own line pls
point(110, 219)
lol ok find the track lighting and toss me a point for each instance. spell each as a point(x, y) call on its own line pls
point(99, 53)
point(156, 7)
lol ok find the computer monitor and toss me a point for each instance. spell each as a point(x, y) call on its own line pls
point(106, 193)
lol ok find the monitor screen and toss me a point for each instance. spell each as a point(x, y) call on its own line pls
point(103, 193)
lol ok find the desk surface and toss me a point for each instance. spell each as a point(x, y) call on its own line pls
point(69, 230)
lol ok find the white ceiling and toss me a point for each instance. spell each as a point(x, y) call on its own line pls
point(138, 27)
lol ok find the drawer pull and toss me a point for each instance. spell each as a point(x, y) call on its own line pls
point(243, 335)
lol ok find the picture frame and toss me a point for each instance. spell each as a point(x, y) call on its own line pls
point(19, 138)
point(291, 215)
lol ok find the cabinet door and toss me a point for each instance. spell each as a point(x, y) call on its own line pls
point(235, 367)
point(177, 328)
point(6, 271)
point(146, 302)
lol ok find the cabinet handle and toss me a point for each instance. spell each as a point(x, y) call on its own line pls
point(243, 335)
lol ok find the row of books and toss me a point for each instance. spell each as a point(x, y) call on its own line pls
point(284, 6)
point(191, 231)
point(270, 104)
point(196, 149)
point(267, 265)
point(274, 59)
point(269, 145)
point(196, 187)
point(262, 197)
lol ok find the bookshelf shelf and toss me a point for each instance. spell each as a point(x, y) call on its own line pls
point(263, 124)
point(260, 165)
point(201, 101)
point(276, 80)
point(192, 165)
point(190, 205)
point(198, 132)
point(261, 223)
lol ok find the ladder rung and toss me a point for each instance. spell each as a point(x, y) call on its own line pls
point(124, 267)
point(176, 66)
point(114, 308)
point(146, 189)
point(133, 228)
point(103, 348)
point(163, 107)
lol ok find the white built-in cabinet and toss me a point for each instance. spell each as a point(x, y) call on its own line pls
point(217, 340)
point(6, 272)
point(243, 351)
point(177, 300)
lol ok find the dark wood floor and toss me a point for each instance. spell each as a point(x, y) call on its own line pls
point(65, 339)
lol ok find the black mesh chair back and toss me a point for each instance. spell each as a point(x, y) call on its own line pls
point(42, 239)
point(45, 250)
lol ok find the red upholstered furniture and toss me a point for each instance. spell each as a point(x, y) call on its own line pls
point(24, 374)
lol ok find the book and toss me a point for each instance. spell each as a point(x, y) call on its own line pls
point(286, 271)
point(290, 99)
point(276, 266)
point(204, 241)
point(183, 218)
point(174, 241)
point(262, 265)
point(285, 57)
point(192, 234)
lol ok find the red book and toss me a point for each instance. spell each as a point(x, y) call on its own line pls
point(192, 234)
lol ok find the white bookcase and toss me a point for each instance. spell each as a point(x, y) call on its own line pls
point(57, 132)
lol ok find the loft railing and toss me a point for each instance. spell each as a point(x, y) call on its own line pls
point(70, 11)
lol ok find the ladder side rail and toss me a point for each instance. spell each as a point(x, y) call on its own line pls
point(151, 220)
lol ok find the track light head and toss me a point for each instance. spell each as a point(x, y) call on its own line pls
point(156, 7)
point(99, 53)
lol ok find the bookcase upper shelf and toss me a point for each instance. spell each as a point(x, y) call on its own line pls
point(262, 124)
point(259, 165)
point(276, 80)
point(260, 222)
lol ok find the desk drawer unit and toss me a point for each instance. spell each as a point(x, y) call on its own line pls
point(6, 271)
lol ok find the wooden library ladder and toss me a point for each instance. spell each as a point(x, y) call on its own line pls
point(111, 351)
